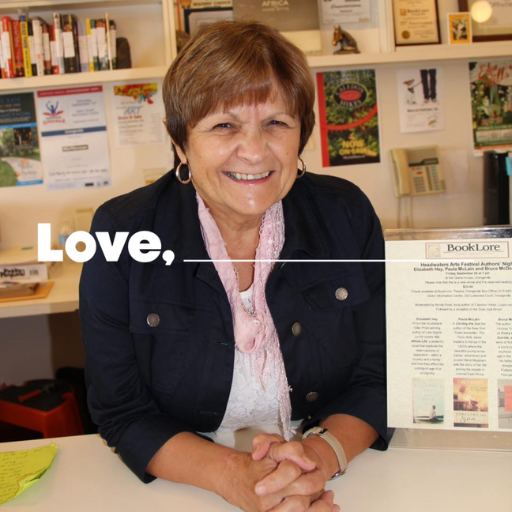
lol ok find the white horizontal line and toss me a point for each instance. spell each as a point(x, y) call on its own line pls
point(329, 261)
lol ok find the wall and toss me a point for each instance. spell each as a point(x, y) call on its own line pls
point(36, 346)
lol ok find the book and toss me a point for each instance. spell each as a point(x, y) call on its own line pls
point(70, 40)
point(19, 66)
point(47, 55)
point(101, 37)
point(53, 50)
point(90, 27)
point(37, 28)
point(32, 48)
point(59, 43)
point(83, 47)
point(20, 265)
point(110, 28)
point(2, 65)
point(7, 47)
point(25, 43)
point(12, 290)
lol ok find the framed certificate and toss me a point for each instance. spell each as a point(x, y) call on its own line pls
point(416, 22)
point(497, 27)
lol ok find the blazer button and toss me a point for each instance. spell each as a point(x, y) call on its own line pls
point(312, 396)
point(296, 329)
point(341, 293)
point(153, 320)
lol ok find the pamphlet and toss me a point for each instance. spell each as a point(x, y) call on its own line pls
point(491, 104)
point(349, 120)
point(74, 141)
point(449, 323)
point(20, 160)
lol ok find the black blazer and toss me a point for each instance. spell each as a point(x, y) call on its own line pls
point(147, 383)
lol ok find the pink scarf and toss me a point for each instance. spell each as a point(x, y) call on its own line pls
point(255, 332)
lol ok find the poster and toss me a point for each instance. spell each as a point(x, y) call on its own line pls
point(421, 99)
point(491, 104)
point(349, 120)
point(20, 159)
point(74, 140)
point(138, 114)
point(449, 328)
point(340, 12)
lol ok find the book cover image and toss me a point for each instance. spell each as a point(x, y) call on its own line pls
point(349, 121)
point(505, 404)
point(428, 402)
point(491, 104)
point(20, 159)
point(470, 403)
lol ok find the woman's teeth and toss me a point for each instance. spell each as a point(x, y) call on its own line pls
point(247, 177)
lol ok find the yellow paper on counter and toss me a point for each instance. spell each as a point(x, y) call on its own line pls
point(21, 469)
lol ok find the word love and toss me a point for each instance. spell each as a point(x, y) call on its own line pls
point(143, 246)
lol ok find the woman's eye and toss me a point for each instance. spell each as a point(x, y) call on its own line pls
point(222, 126)
point(274, 122)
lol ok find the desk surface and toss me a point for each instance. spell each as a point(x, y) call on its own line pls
point(86, 476)
point(63, 298)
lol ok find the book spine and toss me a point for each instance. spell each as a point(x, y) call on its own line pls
point(112, 44)
point(19, 66)
point(93, 45)
point(27, 62)
point(101, 35)
point(47, 53)
point(32, 47)
point(83, 48)
point(59, 43)
point(53, 50)
point(37, 27)
point(7, 46)
point(2, 63)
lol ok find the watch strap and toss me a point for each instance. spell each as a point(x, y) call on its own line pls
point(334, 444)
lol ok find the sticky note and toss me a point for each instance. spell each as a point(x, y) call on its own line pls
point(19, 470)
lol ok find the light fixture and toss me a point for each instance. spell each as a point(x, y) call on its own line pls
point(481, 11)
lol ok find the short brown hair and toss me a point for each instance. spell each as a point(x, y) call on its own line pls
point(231, 63)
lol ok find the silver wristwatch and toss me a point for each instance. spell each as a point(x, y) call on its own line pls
point(334, 444)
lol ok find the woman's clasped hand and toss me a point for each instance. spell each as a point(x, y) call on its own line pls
point(279, 476)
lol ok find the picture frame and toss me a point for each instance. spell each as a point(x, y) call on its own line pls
point(416, 22)
point(499, 27)
point(459, 28)
point(195, 18)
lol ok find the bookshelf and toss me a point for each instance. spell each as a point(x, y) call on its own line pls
point(147, 24)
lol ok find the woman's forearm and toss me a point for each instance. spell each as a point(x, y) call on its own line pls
point(355, 436)
point(190, 459)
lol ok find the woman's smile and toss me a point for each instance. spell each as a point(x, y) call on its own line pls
point(249, 179)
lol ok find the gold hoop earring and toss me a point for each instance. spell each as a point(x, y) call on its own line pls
point(304, 169)
point(178, 174)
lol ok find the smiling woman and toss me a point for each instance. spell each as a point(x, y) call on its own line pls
point(176, 354)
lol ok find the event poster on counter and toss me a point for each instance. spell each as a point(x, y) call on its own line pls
point(421, 99)
point(20, 159)
point(491, 104)
point(74, 140)
point(449, 328)
point(138, 114)
point(349, 120)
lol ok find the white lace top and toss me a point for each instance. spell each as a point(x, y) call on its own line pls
point(249, 403)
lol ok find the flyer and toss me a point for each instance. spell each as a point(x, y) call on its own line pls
point(449, 328)
point(349, 121)
point(139, 111)
point(74, 140)
point(20, 159)
point(345, 11)
point(421, 99)
point(491, 104)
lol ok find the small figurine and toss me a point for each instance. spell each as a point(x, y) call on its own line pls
point(347, 42)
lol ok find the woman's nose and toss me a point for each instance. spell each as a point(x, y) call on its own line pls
point(253, 147)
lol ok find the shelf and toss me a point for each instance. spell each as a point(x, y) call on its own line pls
point(11, 7)
point(72, 79)
point(475, 51)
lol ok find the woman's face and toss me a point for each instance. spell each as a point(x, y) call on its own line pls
point(244, 159)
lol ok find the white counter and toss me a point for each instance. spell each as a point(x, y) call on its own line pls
point(87, 477)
